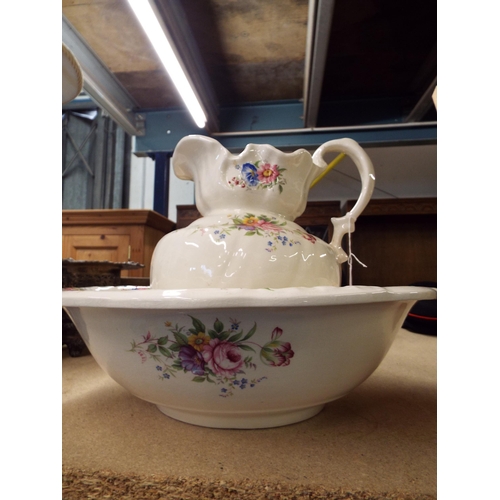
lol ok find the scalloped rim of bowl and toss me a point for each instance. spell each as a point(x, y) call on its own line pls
point(208, 298)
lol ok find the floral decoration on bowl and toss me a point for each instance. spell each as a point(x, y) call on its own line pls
point(217, 355)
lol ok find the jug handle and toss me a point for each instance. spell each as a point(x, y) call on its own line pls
point(345, 224)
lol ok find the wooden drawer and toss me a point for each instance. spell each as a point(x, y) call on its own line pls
point(110, 247)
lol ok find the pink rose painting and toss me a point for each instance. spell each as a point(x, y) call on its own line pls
point(218, 355)
point(224, 358)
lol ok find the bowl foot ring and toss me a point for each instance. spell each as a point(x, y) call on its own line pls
point(243, 420)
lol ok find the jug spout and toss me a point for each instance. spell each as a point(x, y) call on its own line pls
point(192, 152)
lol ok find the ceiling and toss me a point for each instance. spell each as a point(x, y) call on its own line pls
point(315, 64)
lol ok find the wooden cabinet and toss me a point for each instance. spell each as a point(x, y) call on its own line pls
point(396, 239)
point(113, 235)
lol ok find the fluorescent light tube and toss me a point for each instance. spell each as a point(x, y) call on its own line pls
point(161, 44)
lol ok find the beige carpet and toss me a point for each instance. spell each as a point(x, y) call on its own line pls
point(379, 442)
point(78, 484)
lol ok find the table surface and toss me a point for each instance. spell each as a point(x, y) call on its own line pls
point(381, 437)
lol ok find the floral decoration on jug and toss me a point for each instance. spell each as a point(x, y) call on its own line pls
point(275, 232)
point(259, 175)
point(217, 355)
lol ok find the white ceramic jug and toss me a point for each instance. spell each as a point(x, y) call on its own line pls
point(247, 237)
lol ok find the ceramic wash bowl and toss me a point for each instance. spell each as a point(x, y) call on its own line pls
point(240, 358)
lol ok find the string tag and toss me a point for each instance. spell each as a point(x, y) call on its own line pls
point(349, 259)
